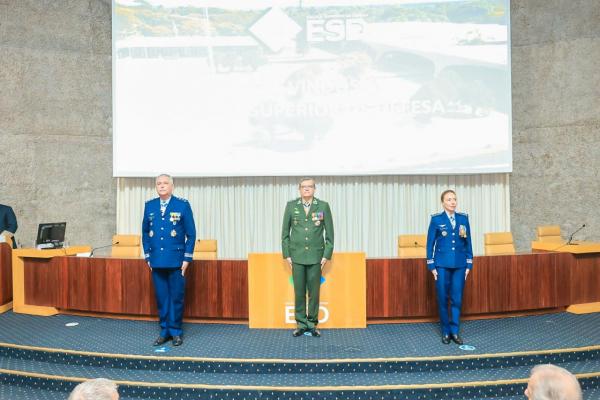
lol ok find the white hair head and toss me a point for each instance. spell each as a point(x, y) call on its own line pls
point(95, 389)
point(549, 382)
point(166, 176)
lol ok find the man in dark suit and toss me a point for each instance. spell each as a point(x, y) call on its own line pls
point(8, 223)
point(168, 237)
point(307, 245)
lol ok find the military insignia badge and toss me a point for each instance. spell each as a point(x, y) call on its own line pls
point(151, 233)
point(462, 231)
point(175, 216)
point(173, 233)
point(444, 233)
point(317, 223)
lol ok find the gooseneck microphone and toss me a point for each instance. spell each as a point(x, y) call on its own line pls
point(102, 247)
point(570, 241)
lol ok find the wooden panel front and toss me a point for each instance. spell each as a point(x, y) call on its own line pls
point(404, 288)
point(214, 288)
point(399, 288)
point(584, 278)
point(43, 281)
point(5, 273)
point(137, 288)
point(217, 289)
point(395, 288)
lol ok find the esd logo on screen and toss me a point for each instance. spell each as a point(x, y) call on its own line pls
point(335, 29)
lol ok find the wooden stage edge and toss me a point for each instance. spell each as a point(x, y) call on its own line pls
point(375, 321)
point(527, 313)
point(150, 318)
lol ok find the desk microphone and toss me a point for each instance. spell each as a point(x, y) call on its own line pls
point(101, 247)
point(569, 242)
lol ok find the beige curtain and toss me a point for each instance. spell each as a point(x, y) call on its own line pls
point(244, 213)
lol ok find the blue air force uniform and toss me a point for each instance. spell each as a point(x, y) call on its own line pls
point(449, 251)
point(168, 238)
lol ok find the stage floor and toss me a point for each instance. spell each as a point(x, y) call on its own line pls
point(116, 336)
point(44, 357)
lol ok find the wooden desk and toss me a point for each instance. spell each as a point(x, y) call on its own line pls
point(396, 288)
point(585, 282)
point(6, 292)
point(215, 289)
point(22, 284)
point(575, 248)
point(404, 289)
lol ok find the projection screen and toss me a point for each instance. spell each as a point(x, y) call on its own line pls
point(320, 87)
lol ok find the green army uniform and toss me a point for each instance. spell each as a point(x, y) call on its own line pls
point(307, 239)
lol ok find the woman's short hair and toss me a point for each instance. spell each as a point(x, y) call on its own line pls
point(445, 192)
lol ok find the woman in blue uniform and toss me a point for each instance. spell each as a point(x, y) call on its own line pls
point(450, 259)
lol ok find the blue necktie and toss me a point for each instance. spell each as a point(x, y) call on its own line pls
point(163, 207)
point(452, 221)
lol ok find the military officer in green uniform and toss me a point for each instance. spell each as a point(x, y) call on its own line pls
point(307, 244)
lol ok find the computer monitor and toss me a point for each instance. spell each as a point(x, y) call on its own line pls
point(51, 235)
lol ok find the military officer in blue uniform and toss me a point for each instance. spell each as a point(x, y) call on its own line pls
point(168, 237)
point(8, 223)
point(449, 258)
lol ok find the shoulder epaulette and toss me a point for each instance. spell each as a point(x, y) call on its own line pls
point(437, 214)
point(462, 213)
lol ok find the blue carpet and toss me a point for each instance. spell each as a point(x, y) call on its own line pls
point(303, 362)
point(238, 341)
point(358, 378)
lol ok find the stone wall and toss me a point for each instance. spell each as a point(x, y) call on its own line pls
point(556, 117)
point(56, 116)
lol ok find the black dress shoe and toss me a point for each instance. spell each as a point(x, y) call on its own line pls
point(298, 332)
point(456, 339)
point(177, 341)
point(161, 340)
point(446, 339)
point(315, 333)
